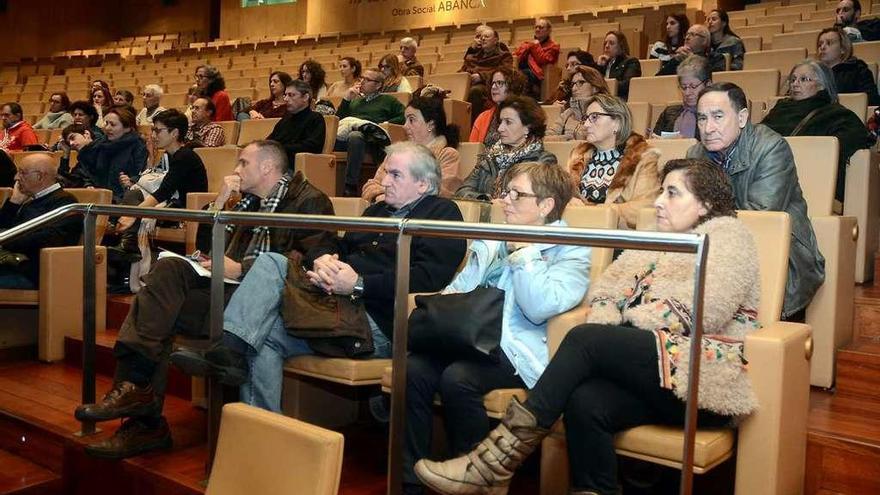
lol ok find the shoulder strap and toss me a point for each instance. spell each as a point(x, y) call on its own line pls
point(804, 121)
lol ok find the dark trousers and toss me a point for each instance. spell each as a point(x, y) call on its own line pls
point(175, 300)
point(461, 385)
point(357, 148)
point(605, 379)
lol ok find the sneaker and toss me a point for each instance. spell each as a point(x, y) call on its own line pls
point(133, 438)
point(123, 400)
point(229, 366)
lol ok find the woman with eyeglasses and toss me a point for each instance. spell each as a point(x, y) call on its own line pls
point(312, 73)
point(851, 75)
point(615, 167)
point(274, 106)
point(585, 82)
point(521, 133)
point(694, 74)
point(212, 85)
point(505, 82)
point(389, 66)
point(350, 70)
point(811, 108)
point(573, 59)
point(616, 62)
point(724, 40)
point(539, 282)
point(58, 116)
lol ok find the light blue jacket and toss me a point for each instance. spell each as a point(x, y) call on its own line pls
point(540, 281)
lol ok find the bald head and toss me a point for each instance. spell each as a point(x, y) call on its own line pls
point(35, 173)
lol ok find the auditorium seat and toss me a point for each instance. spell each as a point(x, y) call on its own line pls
point(562, 149)
point(863, 202)
point(771, 443)
point(796, 40)
point(671, 149)
point(764, 30)
point(641, 117)
point(230, 130)
point(252, 441)
point(757, 84)
point(781, 60)
point(469, 154)
point(650, 66)
point(654, 89)
point(254, 129)
point(458, 84)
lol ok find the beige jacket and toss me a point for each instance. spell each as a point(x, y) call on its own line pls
point(636, 184)
point(448, 159)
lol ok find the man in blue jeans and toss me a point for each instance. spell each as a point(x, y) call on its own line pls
point(255, 342)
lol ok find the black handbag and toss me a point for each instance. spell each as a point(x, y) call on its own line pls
point(458, 326)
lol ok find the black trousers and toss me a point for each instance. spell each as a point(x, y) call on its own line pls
point(461, 385)
point(605, 379)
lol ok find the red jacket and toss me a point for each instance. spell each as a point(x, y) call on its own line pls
point(222, 107)
point(538, 55)
point(17, 137)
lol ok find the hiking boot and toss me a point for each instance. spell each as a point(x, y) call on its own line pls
point(133, 438)
point(123, 400)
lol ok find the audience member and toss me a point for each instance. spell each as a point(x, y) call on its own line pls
point(585, 83)
point(521, 131)
point(35, 192)
point(394, 80)
point(275, 105)
point(696, 42)
point(506, 81)
point(123, 97)
point(301, 130)
point(615, 167)
point(426, 125)
point(75, 137)
point(409, 65)
point(95, 85)
point(212, 85)
point(811, 109)
point(846, 17)
point(350, 70)
point(724, 40)
point(616, 62)
point(313, 74)
point(7, 170)
point(84, 113)
point(851, 74)
point(563, 89)
point(102, 101)
point(58, 116)
point(627, 366)
point(694, 74)
point(17, 133)
point(539, 282)
point(485, 57)
point(366, 105)
point(761, 167)
point(675, 25)
point(175, 297)
point(255, 342)
point(203, 129)
point(192, 94)
point(151, 97)
point(123, 152)
point(533, 55)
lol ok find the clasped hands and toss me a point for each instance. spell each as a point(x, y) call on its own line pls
point(332, 276)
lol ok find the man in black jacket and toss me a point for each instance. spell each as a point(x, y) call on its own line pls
point(35, 192)
point(360, 266)
point(301, 130)
point(176, 297)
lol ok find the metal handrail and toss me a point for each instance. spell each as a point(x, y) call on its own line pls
point(405, 229)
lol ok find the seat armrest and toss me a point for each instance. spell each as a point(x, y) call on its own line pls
point(772, 441)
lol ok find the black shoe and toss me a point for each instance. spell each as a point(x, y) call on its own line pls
point(123, 400)
point(350, 191)
point(375, 135)
point(127, 249)
point(133, 438)
point(229, 366)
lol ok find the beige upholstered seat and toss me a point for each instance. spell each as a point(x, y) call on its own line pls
point(230, 130)
point(863, 202)
point(469, 153)
point(760, 84)
point(771, 443)
point(782, 60)
point(254, 129)
point(562, 149)
point(458, 84)
point(654, 89)
point(219, 162)
point(252, 441)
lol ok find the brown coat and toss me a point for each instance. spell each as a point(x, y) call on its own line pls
point(636, 183)
point(485, 64)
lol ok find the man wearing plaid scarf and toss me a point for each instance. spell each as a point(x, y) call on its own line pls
point(175, 299)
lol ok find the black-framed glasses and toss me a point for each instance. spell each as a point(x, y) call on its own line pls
point(499, 84)
point(514, 195)
point(593, 117)
point(158, 130)
point(691, 87)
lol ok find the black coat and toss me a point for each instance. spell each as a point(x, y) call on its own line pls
point(854, 76)
point(623, 69)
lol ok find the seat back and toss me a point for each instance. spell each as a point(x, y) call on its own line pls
point(331, 128)
point(230, 130)
point(348, 207)
point(98, 197)
point(650, 66)
point(671, 149)
point(469, 153)
point(219, 162)
point(869, 51)
point(562, 149)
point(795, 40)
point(758, 84)
point(612, 86)
point(252, 441)
point(816, 160)
point(458, 84)
point(772, 233)
point(764, 30)
point(593, 217)
point(654, 89)
point(641, 116)
point(752, 43)
point(471, 211)
point(856, 102)
point(195, 201)
point(551, 112)
point(781, 60)
point(320, 170)
point(254, 129)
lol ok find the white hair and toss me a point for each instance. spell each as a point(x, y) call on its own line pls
point(409, 42)
point(154, 88)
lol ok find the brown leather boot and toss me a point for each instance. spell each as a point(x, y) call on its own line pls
point(134, 437)
point(489, 467)
point(123, 400)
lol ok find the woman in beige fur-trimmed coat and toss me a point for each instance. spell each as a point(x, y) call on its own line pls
point(628, 365)
point(615, 167)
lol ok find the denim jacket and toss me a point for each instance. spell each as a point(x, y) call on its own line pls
point(540, 281)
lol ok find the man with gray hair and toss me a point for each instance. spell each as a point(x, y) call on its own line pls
point(152, 95)
point(407, 58)
point(301, 130)
point(697, 41)
point(359, 268)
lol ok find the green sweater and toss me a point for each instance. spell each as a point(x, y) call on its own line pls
point(382, 108)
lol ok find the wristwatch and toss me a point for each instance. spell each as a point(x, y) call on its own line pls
point(358, 290)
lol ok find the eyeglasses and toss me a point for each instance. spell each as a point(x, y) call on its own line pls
point(691, 87)
point(593, 117)
point(578, 83)
point(370, 80)
point(800, 79)
point(158, 130)
point(514, 195)
point(691, 35)
point(499, 84)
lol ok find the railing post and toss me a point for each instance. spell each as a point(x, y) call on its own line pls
point(213, 386)
point(89, 317)
point(696, 354)
point(398, 364)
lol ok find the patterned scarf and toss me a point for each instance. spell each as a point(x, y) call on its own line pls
point(506, 156)
point(261, 240)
